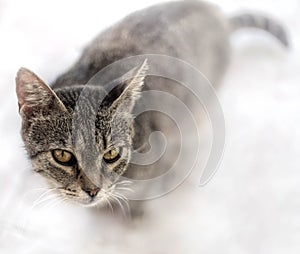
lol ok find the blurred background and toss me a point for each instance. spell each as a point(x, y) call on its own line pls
point(252, 205)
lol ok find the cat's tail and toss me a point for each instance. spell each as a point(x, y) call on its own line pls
point(260, 22)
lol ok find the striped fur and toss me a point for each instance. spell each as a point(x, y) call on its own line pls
point(248, 20)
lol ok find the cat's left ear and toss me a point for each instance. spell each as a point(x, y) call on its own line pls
point(34, 95)
point(134, 81)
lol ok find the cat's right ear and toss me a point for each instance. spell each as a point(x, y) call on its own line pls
point(34, 95)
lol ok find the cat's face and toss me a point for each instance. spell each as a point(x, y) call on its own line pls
point(83, 148)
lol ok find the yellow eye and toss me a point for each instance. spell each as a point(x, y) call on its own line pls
point(63, 157)
point(112, 155)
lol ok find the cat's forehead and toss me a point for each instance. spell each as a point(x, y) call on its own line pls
point(86, 119)
point(75, 97)
point(49, 130)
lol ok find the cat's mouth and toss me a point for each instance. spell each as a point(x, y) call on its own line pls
point(92, 202)
point(102, 198)
point(105, 196)
point(107, 199)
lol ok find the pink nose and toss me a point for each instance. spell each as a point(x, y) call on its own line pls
point(92, 192)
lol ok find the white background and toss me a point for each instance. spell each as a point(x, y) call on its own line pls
point(252, 205)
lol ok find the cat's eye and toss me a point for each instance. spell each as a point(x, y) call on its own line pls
point(63, 157)
point(112, 155)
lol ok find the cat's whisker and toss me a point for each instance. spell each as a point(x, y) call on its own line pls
point(36, 189)
point(118, 202)
point(125, 189)
point(56, 202)
point(56, 199)
point(125, 182)
point(118, 194)
point(29, 192)
point(123, 198)
point(44, 197)
point(118, 198)
point(109, 204)
point(44, 200)
point(48, 194)
point(44, 194)
point(125, 214)
point(126, 204)
point(51, 203)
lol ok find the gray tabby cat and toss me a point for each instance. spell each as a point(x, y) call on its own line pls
point(194, 31)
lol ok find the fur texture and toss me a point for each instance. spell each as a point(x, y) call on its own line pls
point(193, 31)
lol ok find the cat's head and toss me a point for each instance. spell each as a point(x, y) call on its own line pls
point(79, 138)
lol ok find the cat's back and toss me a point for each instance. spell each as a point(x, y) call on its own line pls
point(193, 31)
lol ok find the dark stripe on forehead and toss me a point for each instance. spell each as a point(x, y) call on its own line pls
point(104, 141)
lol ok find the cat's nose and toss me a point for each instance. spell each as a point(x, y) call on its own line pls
point(92, 192)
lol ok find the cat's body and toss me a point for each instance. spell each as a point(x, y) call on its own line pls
point(193, 31)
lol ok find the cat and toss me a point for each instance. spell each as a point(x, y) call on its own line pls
point(194, 31)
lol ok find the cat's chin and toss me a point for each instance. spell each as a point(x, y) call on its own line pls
point(92, 203)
